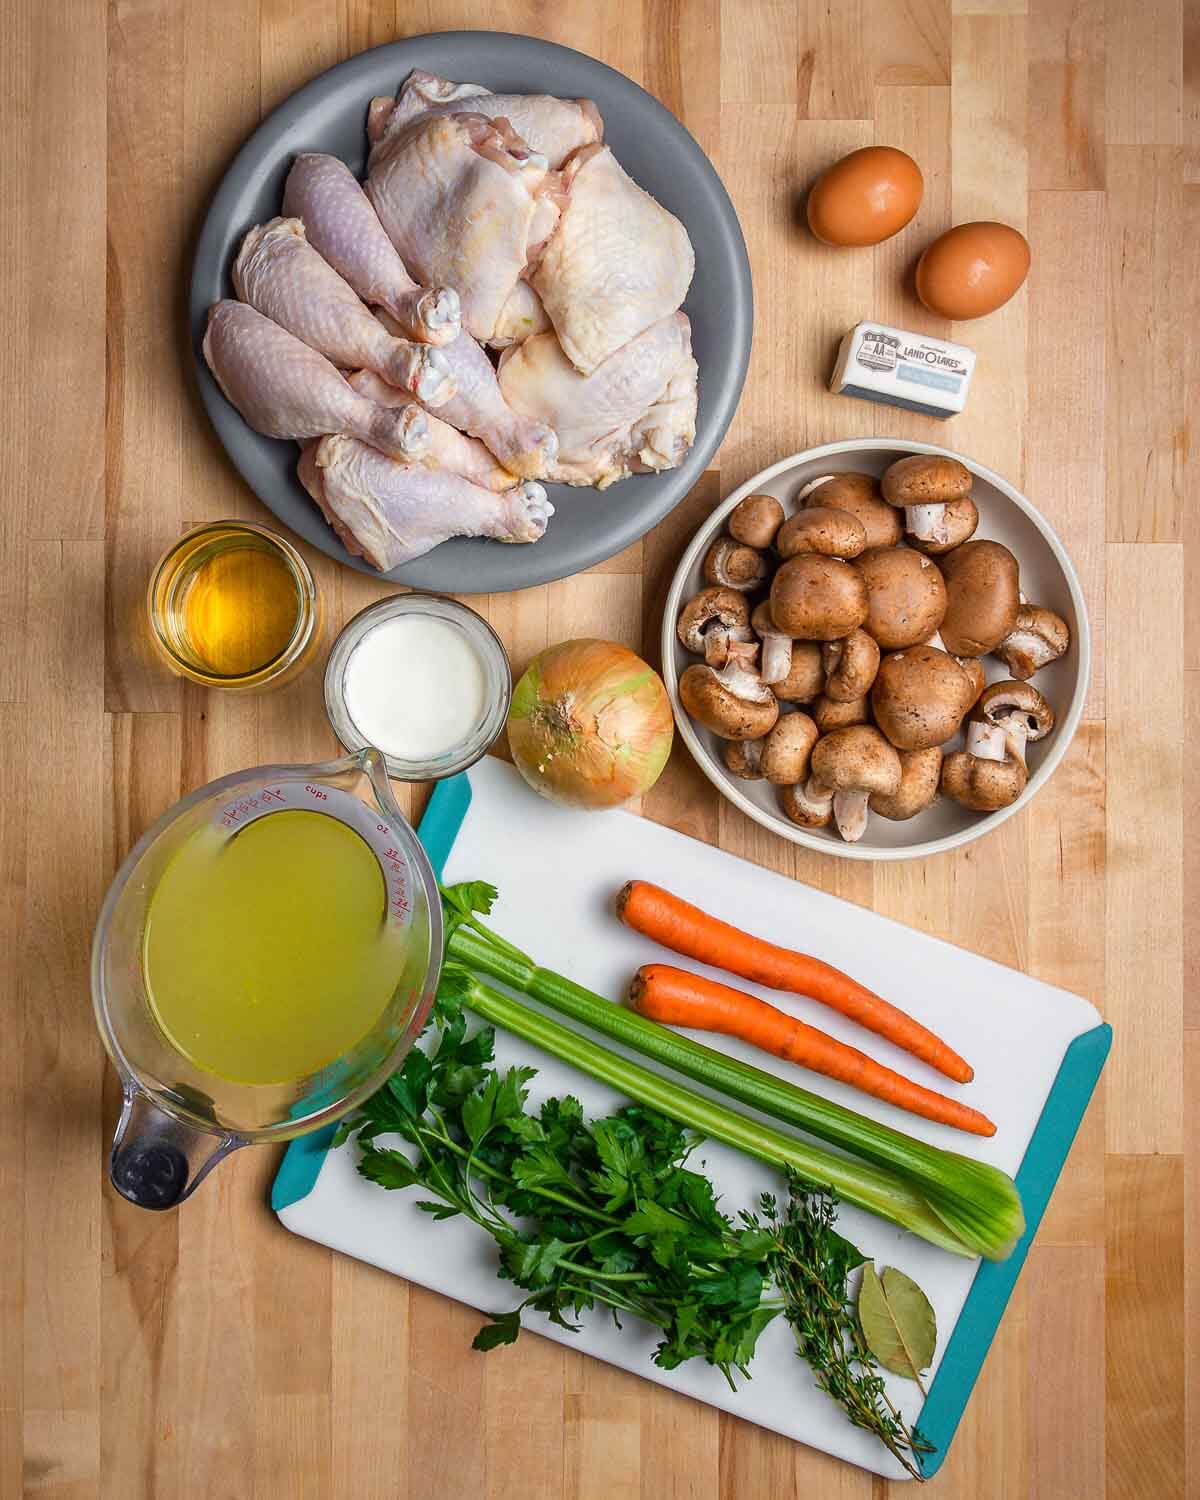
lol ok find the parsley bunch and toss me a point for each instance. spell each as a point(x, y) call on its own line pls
point(605, 1213)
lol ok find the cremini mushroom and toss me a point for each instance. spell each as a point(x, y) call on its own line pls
point(818, 598)
point(744, 758)
point(973, 667)
point(956, 525)
point(1019, 711)
point(787, 748)
point(821, 528)
point(920, 697)
point(733, 701)
point(860, 495)
point(708, 622)
point(983, 597)
point(855, 763)
point(755, 520)
point(733, 565)
point(807, 804)
point(926, 485)
point(983, 777)
point(776, 644)
point(850, 666)
point(906, 597)
point(806, 676)
point(830, 713)
point(918, 789)
point(1038, 638)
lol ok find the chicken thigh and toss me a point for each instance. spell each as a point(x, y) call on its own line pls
point(448, 448)
point(521, 316)
point(280, 275)
point(391, 513)
point(636, 411)
point(524, 444)
point(617, 262)
point(555, 127)
point(285, 389)
point(342, 226)
point(462, 199)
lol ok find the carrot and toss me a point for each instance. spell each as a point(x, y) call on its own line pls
point(684, 928)
point(674, 997)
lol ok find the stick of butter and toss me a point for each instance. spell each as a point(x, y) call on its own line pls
point(912, 370)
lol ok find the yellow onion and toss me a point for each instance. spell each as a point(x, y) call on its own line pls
point(590, 724)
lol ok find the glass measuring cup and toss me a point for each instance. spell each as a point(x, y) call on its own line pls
point(179, 1120)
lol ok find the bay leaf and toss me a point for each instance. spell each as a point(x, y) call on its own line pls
point(897, 1321)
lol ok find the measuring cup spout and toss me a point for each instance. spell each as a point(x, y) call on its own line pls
point(157, 1160)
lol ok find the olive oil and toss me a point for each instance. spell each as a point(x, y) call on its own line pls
point(233, 605)
point(268, 953)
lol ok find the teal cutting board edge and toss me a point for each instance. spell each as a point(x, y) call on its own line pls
point(994, 1281)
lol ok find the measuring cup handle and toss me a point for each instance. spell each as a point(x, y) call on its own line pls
point(157, 1160)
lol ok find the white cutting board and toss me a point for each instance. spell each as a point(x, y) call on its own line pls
point(558, 872)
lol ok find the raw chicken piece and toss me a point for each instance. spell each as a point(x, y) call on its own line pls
point(555, 127)
point(392, 512)
point(521, 316)
point(280, 274)
point(617, 262)
point(523, 444)
point(287, 390)
point(459, 198)
point(636, 411)
point(448, 448)
point(342, 226)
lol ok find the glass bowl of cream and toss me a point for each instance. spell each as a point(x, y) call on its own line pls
point(423, 679)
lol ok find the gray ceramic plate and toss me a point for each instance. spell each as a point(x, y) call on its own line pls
point(329, 114)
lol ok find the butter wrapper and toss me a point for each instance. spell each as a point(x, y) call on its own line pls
point(913, 370)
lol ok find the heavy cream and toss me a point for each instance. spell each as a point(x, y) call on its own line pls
point(415, 687)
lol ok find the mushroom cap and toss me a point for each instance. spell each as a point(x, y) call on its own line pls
point(982, 785)
point(856, 759)
point(959, 519)
point(850, 666)
point(726, 606)
point(755, 520)
point(983, 597)
point(860, 495)
point(973, 667)
point(832, 713)
point(821, 528)
point(920, 697)
point(1038, 638)
point(762, 621)
point(1003, 700)
point(925, 479)
point(733, 565)
point(906, 596)
point(806, 675)
point(818, 598)
point(810, 808)
point(787, 748)
point(744, 758)
point(708, 697)
point(918, 789)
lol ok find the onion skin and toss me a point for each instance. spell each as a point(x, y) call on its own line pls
point(590, 724)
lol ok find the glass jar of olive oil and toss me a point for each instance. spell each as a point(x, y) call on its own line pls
point(232, 605)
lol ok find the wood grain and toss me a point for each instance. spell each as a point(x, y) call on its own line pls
point(209, 1354)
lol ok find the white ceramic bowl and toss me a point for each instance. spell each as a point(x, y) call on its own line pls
point(1047, 578)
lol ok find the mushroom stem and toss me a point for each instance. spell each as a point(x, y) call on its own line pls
point(927, 522)
point(985, 741)
point(1015, 727)
point(935, 640)
point(776, 657)
point(850, 814)
point(813, 484)
point(819, 796)
point(740, 677)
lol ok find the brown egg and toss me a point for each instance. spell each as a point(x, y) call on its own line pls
point(972, 270)
point(866, 197)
